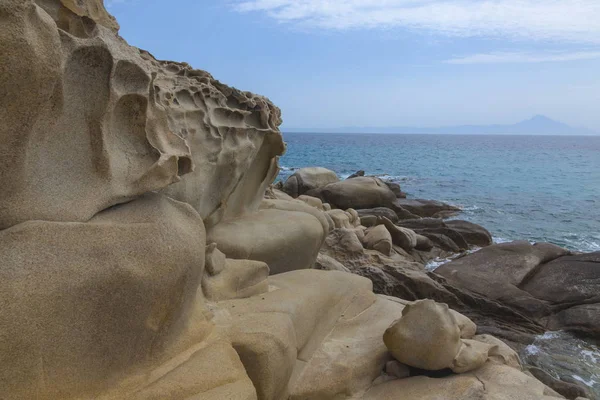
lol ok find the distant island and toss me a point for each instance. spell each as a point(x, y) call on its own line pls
point(537, 125)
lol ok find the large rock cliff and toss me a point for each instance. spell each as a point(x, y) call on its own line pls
point(135, 243)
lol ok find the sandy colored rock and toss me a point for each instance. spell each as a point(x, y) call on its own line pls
point(312, 201)
point(357, 193)
point(467, 328)
point(378, 238)
point(327, 263)
point(500, 352)
point(472, 355)
point(284, 240)
point(98, 123)
point(112, 294)
point(423, 388)
point(397, 369)
point(305, 179)
point(426, 336)
point(341, 219)
point(403, 237)
point(237, 279)
point(490, 382)
point(315, 334)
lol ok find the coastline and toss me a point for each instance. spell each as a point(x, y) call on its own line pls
point(398, 276)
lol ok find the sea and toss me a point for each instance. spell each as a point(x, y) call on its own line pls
point(536, 188)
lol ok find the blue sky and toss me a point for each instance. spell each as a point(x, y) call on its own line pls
point(424, 63)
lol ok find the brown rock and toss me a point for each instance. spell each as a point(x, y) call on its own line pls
point(306, 179)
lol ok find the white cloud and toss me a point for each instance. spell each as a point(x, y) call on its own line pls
point(517, 57)
point(553, 20)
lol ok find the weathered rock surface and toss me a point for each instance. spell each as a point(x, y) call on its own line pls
point(306, 179)
point(97, 123)
point(115, 169)
point(541, 281)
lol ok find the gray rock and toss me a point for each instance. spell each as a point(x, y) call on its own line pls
point(474, 234)
point(379, 212)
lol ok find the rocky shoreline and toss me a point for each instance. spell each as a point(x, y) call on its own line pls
point(515, 291)
point(145, 253)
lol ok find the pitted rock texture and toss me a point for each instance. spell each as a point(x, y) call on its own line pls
point(89, 122)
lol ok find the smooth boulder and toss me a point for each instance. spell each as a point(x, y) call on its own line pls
point(309, 178)
point(357, 193)
point(501, 272)
point(426, 336)
point(474, 234)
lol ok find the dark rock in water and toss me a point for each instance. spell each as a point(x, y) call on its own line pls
point(379, 212)
point(428, 208)
point(474, 234)
point(357, 174)
point(571, 285)
point(571, 279)
point(584, 319)
point(571, 390)
point(464, 233)
point(497, 271)
point(441, 241)
point(456, 237)
point(543, 281)
point(306, 179)
point(394, 187)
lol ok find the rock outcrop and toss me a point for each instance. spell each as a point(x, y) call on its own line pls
point(141, 260)
point(541, 281)
point(306, 179)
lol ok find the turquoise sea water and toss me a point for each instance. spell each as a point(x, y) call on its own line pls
point(539, 188)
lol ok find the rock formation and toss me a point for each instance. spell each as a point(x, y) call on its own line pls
point(141, 260)
point(306, 179)
point(542, 281)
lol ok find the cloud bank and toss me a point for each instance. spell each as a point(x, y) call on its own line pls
point(575, 21)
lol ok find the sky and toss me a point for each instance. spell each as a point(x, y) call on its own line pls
point(422, 63)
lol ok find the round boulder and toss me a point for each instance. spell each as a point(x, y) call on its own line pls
point(427, 336)
point(309, 178)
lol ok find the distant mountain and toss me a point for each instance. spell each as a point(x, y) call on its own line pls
point(538, 125)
